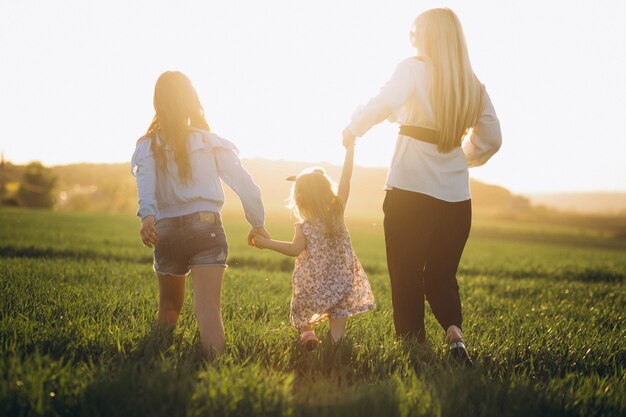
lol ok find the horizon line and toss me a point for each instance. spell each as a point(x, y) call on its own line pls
point(518, 192)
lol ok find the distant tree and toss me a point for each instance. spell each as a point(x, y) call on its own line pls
point(36, 186)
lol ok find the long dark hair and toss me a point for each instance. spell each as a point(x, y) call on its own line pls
point(177, 108)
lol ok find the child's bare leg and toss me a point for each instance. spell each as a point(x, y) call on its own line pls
point(207, 292)
point(171, 298)
point(337, 328)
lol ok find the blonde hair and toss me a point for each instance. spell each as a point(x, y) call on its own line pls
point(177, 108)
point(313, 198)
point(457, 94)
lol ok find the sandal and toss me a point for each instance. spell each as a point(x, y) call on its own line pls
point(309, 340)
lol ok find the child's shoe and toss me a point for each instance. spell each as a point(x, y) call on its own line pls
point(309, 340)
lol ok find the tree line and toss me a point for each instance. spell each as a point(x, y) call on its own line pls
point(35, 188)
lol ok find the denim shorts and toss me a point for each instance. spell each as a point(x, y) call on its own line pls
point(195, 239)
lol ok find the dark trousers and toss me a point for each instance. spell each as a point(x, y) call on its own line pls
point(424, 237)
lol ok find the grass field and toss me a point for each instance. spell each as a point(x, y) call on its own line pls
point(544, 319)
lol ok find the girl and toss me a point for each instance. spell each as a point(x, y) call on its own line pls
point(328, 279)
point(437, 100)
point(178, 164)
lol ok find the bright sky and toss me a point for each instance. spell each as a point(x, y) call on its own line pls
point(281, 79)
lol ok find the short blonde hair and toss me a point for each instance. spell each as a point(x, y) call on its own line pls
point(457, 94)
point(313, 198)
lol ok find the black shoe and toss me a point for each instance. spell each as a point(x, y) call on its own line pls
point(460, 356)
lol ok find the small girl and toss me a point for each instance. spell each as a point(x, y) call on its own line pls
point(328, 279)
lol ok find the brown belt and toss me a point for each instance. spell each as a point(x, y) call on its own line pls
point(420, 133)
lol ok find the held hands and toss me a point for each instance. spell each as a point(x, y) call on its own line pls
point(348, 138)
point(260, 241)
point(148, 232)
point(149, 235)
point(256, 233)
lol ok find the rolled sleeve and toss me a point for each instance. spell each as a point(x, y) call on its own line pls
point(486, 137)
point(236, 177)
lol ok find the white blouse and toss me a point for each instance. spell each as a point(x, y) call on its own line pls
point(416, 165)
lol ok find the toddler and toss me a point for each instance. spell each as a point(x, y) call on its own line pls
point(328, 280)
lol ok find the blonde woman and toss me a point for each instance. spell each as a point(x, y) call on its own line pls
point(178, 164)
point(447, 124)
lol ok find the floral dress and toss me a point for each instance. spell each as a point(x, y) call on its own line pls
point(328, 279)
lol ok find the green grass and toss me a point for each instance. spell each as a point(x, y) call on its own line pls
point(544, 313)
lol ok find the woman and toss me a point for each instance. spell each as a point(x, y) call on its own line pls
point(437, 100)
point(178, 164)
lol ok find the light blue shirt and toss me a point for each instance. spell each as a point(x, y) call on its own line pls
point(162, 194)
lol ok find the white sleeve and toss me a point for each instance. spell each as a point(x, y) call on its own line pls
point(389, 100)
point(236, 177)
point(486, 136)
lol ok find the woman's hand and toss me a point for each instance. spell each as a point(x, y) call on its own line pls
point(257, 231)
point(148, 231)
point(260, 241)
point(348, 138)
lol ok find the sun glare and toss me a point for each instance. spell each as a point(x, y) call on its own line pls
point(282, 80)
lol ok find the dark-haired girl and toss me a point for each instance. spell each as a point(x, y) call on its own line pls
point(178, 165)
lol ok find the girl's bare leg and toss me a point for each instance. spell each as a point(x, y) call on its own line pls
point(207, 294)
point(171, 298)
point(337, 328)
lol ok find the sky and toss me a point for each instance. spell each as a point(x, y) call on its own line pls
point(282, 78)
